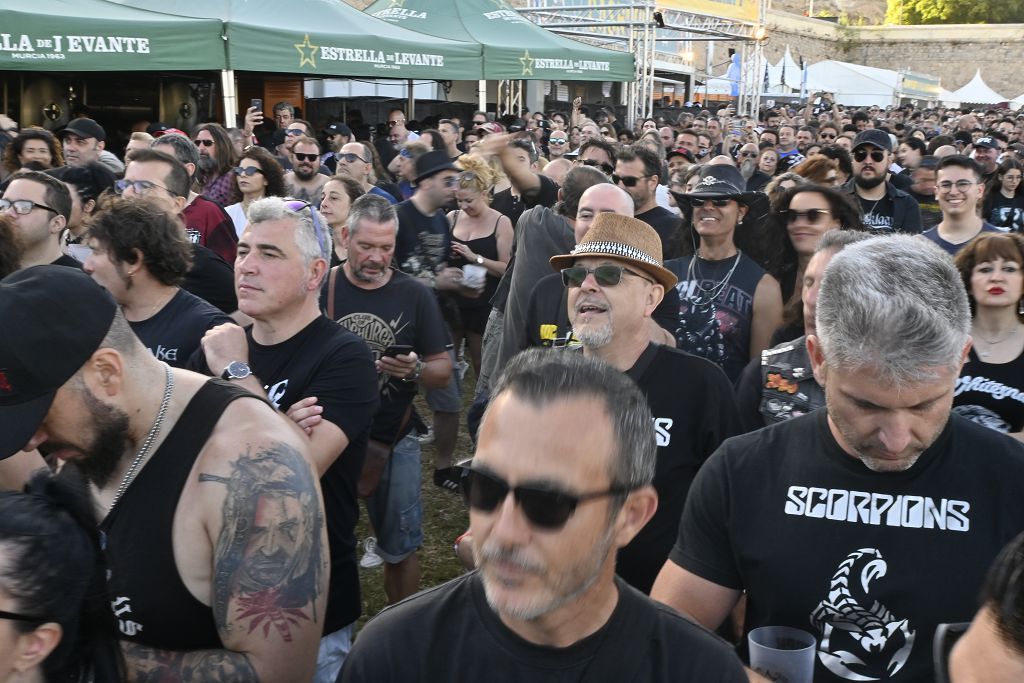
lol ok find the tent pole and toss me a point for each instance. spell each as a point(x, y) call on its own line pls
point(481, 94)
point(412, 102)
point(227, 89)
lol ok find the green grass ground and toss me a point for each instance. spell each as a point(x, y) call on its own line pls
point(444, 518)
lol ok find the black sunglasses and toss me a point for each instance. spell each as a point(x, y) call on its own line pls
point(627, 181)
point(605, 275)
point(351, 157)
point(697, 202)
point(607, 168)
point(811, 216)
point(247, 170)
point(204, 143)
point(305, 157)
point(861, 154)
point(546, 509)
point(826, 136)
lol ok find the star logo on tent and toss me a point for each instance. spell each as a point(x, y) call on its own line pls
point(527, 61)
point(396, 3)
point(305, 59)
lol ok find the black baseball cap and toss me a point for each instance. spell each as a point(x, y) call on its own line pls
point(85, 128)
point(986, 143)
point(873, 136)
point(338, 128)
point(55, 317)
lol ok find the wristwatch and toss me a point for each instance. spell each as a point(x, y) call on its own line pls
point(236, 369)
point(415, 376)
point(479, 260)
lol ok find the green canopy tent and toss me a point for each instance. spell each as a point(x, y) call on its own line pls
point(94, 35)
point(513, 46)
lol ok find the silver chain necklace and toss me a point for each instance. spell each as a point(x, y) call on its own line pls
point(708, 294)
point(154, 431)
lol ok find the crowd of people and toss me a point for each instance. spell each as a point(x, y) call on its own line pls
point(719, 372)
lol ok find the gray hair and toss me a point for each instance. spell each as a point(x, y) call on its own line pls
point(184, 149)
point(896, 305)
point(837, 240)
point(313, 242)
point(372, 208)
point(540, 377)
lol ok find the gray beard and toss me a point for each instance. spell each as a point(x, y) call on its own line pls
point(747, 168)
point(207, 164)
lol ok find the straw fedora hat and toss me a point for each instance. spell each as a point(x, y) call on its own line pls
point(621, 238)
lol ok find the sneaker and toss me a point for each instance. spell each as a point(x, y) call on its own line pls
point(370, 558)
point(447, 479)
point(427, 438)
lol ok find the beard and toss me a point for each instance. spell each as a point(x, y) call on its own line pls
point(747, 168)
point(304, 172)
point(869, 183)
point(109, 443)
point(207, 164)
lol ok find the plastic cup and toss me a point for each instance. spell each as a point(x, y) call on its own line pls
point(474, 276)
point(782, 653)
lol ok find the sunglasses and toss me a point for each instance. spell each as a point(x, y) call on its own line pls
point(607, 168)
point(247, 170)
point(861, 154)
point(405, 154)
point(698, 202)
point(204, 143)
point(826, 136)
point(811, 216)
point(479, 123)
point(605, 275)
point(466, 177)
point(296, 206)
point(22, 207)
point(627, 181)
point(305, 157)
point(295, 131)
point(351, 158)
point(138, 187)
point(557, 141)
point(544, 508)
point(748, 155)
point(392, 124)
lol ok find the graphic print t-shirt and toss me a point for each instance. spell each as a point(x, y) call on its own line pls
point(174, 333)
point(991, 394)
point(869, 562)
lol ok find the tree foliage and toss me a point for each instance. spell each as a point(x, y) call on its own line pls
point(955, 12)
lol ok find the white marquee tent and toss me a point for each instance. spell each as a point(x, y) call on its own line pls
point(978, 92)
point(854, 85)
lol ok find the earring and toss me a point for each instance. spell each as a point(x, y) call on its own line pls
point(1020, 307)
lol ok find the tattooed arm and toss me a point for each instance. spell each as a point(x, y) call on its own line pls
point(269, 569)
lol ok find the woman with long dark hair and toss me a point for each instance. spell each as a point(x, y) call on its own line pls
point(1004, 200)
point(34, 148)
point(258, 175)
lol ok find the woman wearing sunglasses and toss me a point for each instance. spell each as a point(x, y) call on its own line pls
point(728, 305)
point(799, 218)
point(55, 619)
point(481, 237)
point(258, 175)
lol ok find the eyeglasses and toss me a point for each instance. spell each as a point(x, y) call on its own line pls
point(960, 185)
point(546, 508)
point(23, 207)
point(305, 157)
point(295, 131)
point(203, 143)
point(352, 158)
point(698, 202)
point(605, 275)
point(627, 181)
point(607, 168)
point(246, 170)
point(138, 187)
point(295, 206)
point(861, 154)
point(811, 216)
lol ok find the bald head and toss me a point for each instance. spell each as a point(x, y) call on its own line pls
point(557, 170)
point(944, 151)
point(721, 160)
point(598, 199)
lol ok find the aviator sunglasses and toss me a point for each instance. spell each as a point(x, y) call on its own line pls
point(605, 275)
point(861, 154)
point(544, 508)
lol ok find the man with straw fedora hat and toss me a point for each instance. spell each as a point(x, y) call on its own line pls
point(614, 280)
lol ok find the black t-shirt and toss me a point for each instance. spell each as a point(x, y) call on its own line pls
point(404, 311)
point(514, 206)
point(174, 333)
point(991, 394)
point(423, 242)
point(211, 279)
point(547, 314)
point(869, 562)
point(877, 214)
point(931, 213)
point(68, 261)
point(1006, 212)
point(664, 223)
point(449, 633)
point(329, 362)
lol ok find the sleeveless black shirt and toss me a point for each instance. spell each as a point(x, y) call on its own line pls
point(151, 603)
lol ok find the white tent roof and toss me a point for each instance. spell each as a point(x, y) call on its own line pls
point(977, 92)
point(1018, 101)
point(854, 85)
point(793, 75)
point(949, 98)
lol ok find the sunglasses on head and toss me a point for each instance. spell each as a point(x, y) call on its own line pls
point(627, 181)
point(861, 154)
point(811, 216)
point(605, 275)
point(544, 508)
point(405, 154)
point(607, 168)
point(204, 143)
point(698, 202)
point(247, 170)
point(305, 157)
point(296, 206)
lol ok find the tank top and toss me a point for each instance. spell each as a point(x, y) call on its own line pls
point(716, 309)
point(151, 603)
point(486, 246)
